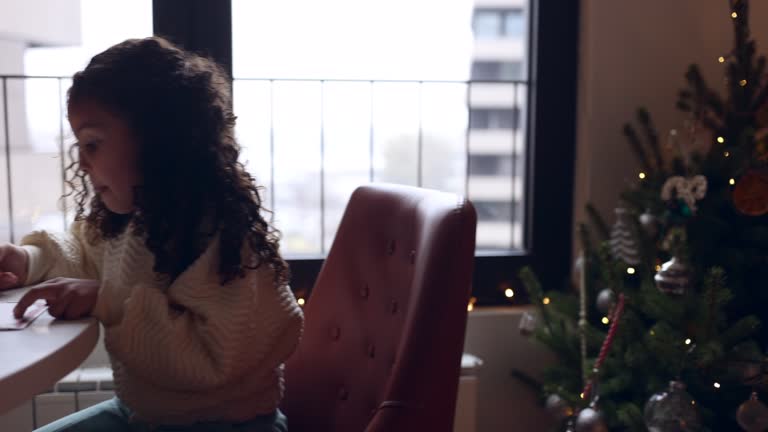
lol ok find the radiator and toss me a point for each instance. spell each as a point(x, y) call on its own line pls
point(79, 390)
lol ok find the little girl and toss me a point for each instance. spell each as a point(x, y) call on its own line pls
point(168, 250)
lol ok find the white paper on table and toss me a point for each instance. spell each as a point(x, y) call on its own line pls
point(9, 322)
point(12, 295)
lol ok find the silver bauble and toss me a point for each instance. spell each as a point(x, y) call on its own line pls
point(606, 300)
point(673, 410)
point(650, 223)
point(590, 420)
point(558, 407)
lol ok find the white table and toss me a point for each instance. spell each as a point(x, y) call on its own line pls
point(34, 359)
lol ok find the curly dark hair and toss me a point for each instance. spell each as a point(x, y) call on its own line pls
point(178, 104)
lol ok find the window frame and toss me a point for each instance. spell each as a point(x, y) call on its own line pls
point(205, 26)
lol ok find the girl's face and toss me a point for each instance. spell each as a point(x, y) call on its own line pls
point(108, 152)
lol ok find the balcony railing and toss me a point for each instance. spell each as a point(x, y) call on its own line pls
point(309, 143)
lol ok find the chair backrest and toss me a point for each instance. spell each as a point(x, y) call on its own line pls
point(385, 323)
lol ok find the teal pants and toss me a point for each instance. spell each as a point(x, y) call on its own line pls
point(113, 415)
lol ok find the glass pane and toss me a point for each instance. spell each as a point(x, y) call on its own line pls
point(487, 24)
point(511, 70)
point(444, 136)
point(396, 115)
point(485, 71)
point(254, 134)
point(497, 161)
point(514, 23)
point(352, 39)
point(297, 161)
point(348, 157)
point(378, 109)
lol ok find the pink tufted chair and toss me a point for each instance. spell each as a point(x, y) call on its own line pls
point(385, 324)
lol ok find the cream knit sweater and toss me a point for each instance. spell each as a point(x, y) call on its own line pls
point(192, 350)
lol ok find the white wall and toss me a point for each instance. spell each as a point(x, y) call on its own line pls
point(504, 403)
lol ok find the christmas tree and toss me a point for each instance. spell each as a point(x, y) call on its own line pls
point(673, 292)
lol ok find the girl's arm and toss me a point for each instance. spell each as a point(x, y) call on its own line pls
point(61, 255)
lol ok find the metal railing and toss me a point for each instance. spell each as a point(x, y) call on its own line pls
point(496, 95)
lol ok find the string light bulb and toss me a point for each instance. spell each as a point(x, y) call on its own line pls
point(732, 182)
point(721, 59)
point(720, 139)
point(658, 267)
point(509, 293)
point(471, 304)
point(301, 301)
point(641, 175)
point(545, 300)
point(727, 154)
point(605, 320)
point(581, 395)
point(688, 341)
point(743, 83)
point(734, 15)
point(717, 385)
point(630, 270)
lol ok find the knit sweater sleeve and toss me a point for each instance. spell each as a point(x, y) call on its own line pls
point(201, 335)
point(67, 254)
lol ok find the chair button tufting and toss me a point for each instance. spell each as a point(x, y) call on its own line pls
point(391, 247)
point(335, 333)
point(343, 394)
point(371, 351)
point(364, 292)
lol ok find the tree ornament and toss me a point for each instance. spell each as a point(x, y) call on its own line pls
point(689, 190)
point(591, 419)
point(750, 195)
point(624, 244)
point(606, 300)
point(674, 277)
point(673, 410)
point(528, 323)
point(650, 223)
point(578, 265)
point(752, 415)
point(558, 407)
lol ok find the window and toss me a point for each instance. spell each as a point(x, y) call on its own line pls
point(514, 23)
point(487, 24)
point(485, 165)
point(498, 23)
point(496, 211)
point(361, 102)
point(497, 71)
point(494, 118)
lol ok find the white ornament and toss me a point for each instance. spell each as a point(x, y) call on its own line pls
point(689, 190)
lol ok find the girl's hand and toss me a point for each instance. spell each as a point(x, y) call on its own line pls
point(67, 298)
point(13, 266)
